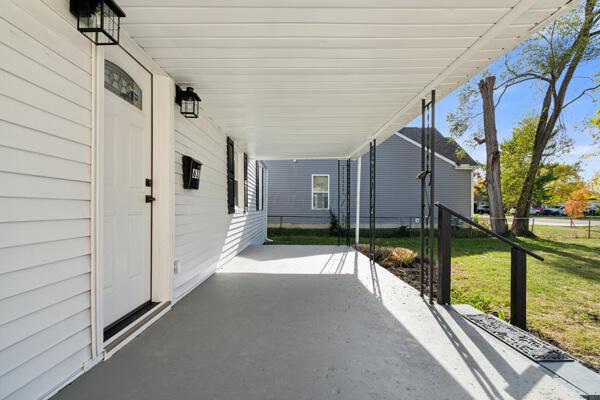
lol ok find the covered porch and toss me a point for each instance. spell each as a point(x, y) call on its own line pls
point(313, 322)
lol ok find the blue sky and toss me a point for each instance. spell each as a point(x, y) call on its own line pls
point(524, 100)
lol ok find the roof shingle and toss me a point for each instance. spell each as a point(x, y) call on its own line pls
point(444, 146)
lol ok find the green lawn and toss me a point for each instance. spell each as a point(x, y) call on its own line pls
point(563, 292)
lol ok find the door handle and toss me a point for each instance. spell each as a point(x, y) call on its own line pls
point(149, 198)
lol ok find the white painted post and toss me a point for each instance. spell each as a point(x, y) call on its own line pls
point(357, 227)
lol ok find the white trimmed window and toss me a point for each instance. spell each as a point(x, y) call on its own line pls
point(320, 192)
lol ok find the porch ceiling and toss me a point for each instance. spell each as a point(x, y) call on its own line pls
point(320, 78)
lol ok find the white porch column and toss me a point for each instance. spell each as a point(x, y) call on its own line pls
point(357, 227)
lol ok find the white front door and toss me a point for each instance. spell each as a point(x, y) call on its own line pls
point(127, 165)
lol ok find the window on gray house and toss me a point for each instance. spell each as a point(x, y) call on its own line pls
point(320, 192)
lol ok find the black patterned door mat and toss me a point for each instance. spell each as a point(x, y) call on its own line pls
point(524, 342)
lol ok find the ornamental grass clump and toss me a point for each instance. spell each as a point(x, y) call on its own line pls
point(400, 256)
point(389, 257)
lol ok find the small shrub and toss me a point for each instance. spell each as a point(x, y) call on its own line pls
point(334, 225)
point(578, 201)
point(402, 231)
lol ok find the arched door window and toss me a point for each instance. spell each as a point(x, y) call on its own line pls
point(120, 83)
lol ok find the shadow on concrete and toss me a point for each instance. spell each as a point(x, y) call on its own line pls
point(272, 336)
point(519, 384)
point(290, 252)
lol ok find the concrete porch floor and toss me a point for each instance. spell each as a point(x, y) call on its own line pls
point(313, 322)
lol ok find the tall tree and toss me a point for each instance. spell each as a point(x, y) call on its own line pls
point(492, 165)
point(550, 58)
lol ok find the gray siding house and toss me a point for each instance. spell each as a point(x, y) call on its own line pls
point(305, 191)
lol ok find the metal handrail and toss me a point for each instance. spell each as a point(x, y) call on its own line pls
point(488, 231)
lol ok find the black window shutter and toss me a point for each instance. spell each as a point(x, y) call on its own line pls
point(230, 177)
point(257, 190)
point(245, 182)
point(263, 190)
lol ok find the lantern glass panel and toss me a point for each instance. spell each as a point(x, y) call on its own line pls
point(189, 108)
point(110, 25)
point(98, 20)
point(90, 24)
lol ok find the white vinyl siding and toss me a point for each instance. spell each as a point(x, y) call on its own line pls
point(320, 192)
point(206, 236)
point(45, 194)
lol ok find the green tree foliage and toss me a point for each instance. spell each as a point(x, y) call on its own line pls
point(479, 189)
point(596, 120)
point(564, 180)
point(595, 185)
point(554, 182)
point(595, 124)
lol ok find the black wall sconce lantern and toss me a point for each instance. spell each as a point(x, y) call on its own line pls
point(98, 20)
point(188, 100)
point(191, 172)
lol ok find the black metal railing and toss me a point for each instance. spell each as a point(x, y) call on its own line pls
point(518, 264)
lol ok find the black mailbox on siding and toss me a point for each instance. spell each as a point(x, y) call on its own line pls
point(191, 172)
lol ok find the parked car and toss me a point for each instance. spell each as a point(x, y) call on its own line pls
point(547, 210)
point(562, 210)
point(592, 209)
point(534, 211)
point(551, 211)
point(483, 209)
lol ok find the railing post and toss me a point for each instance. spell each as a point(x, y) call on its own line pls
point(280, 222)
point(444, 256)
point(518, 288)
point(348, 198)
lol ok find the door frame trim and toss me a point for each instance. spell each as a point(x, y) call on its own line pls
point(162, 211)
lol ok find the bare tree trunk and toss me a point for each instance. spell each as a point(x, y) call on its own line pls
point(492, 171)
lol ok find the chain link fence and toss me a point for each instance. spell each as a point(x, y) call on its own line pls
point(556, 226)
point(409, 226)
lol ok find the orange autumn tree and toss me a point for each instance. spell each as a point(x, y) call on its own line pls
point(578, 201)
